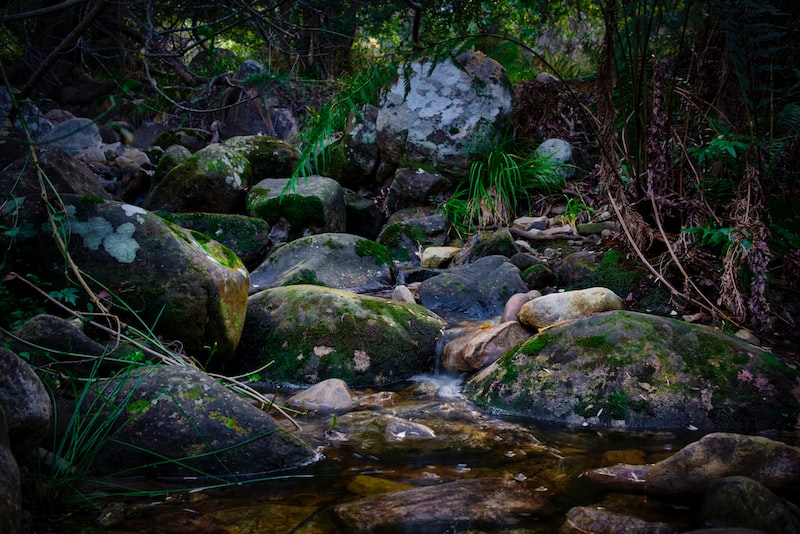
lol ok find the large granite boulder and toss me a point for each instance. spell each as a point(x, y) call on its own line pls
point(311, 333)
point(341, 261)
point(310, 205)
point(212, 180)
point(181, 283)
point(638, 371)
point(478, 290)
point(444, 113)
point(177, 421)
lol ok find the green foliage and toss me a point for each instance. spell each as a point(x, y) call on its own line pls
point(497, 187)
point(352, 92)
point(100, 411)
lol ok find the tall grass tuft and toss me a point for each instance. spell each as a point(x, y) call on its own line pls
point(498, 187)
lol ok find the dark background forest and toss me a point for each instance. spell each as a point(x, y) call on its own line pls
point(687, 112)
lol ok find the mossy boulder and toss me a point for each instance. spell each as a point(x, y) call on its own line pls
point(341, 261)
point(171, 158)
point(497, 243)
point(639, 371)
point(269, 157)
point(178, 421)
point(314, 204)
point(312, 333)
point(247, 237)
point(409, 230)
point(212, 180)
point(181, 283)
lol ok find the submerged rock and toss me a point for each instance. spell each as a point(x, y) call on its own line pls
point(744, 503)
point(583, 519)
point(467, 503)
point(638, 371)
point(313, 333)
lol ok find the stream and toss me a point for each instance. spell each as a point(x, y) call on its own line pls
point(383, 446)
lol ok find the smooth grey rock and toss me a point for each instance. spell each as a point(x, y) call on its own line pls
point(336, 260)
point(328, 396)
point(478, 290)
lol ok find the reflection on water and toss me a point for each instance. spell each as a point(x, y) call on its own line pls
point(382, 447)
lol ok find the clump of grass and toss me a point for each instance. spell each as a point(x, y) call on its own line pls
point(497, 187)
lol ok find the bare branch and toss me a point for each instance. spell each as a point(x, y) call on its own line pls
point(38, 12)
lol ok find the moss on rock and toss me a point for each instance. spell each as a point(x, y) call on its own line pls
point(313, 333)
point(650, 372)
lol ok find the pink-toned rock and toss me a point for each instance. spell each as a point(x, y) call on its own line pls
point(514, 305)
point(331, 395)
point(478, 349)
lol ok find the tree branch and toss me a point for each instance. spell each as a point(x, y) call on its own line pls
point(39, 12)
point(69, 40)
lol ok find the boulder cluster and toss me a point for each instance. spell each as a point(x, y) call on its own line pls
point(207, 248)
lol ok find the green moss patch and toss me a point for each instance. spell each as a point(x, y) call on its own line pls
point(651, 372)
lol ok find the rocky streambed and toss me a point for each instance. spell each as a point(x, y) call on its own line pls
point(420, 458)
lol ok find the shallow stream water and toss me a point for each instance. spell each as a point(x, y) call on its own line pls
point(377, 449)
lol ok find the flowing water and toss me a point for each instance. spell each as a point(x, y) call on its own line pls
point(382, 446)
